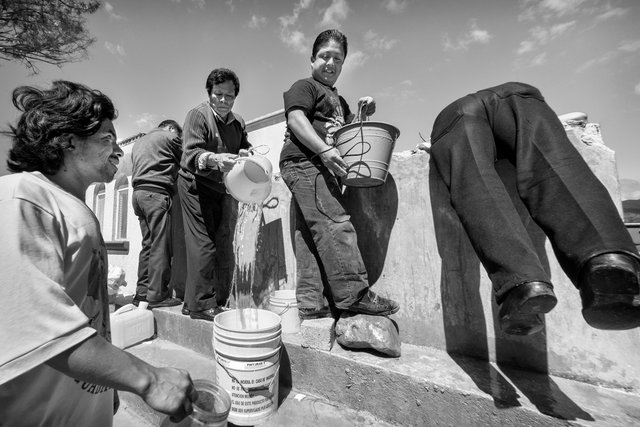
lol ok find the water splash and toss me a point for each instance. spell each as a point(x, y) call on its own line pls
point(246, 242)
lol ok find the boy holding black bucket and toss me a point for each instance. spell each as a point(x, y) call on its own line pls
point(326, 241)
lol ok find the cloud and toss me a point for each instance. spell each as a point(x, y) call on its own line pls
point(629, 46)
point(115, 49)
point(108, 7)
point(626, 47)
point(540, 36)
point(535, 10)
point(355, 60)
point(297, 41)
point(403, 93)
point(198, 3)
point(257, 21)
point(145, 121)
point(636, 89)
point(394, 6)
point(373, 41)
point(336, 12)
point(612, 13)
point(289, 34)
point(474, 35)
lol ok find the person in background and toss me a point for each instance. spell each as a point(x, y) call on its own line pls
point(214, 137)
point(325, 239)
point(513, 122)
point(156, 159)
point(57, 365)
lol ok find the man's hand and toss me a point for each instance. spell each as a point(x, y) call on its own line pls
point(332, 160)
point(223, 162)
point(171, 392)
point(366, 106)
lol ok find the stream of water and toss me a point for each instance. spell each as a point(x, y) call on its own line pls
point(246, 242)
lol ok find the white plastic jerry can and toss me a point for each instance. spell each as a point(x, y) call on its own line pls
point(131, 324)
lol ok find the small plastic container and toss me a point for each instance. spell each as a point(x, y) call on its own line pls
point(131, 324)
point(210, 410)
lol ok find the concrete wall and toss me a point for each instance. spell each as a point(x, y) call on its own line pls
point(417, 253)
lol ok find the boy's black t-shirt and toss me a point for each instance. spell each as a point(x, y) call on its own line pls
point(326, 110)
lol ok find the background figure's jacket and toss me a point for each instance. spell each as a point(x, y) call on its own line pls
point(156, 158)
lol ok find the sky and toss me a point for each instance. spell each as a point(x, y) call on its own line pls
point(414, 57)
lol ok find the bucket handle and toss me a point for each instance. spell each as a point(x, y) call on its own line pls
point(265, 148)
point(266, 387)
point(285, 309)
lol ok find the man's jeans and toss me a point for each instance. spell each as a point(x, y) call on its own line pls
point(562, 195)
point(325, 240)
point(153, 210)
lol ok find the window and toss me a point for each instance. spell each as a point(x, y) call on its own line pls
point(120, 209)
point(98, 203)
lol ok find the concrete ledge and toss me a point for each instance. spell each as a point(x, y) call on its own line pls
point(294, 409)
point(428, 386)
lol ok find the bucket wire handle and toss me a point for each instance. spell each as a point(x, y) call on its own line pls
point(265, 148)
point(266, 387)
point(285, 309)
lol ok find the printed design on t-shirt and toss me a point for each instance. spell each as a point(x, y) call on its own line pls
point(92, 388)
point(96, 302)
point(336, 120)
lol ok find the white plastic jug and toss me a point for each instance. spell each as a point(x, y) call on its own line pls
point(250, 179)
point(131, 324)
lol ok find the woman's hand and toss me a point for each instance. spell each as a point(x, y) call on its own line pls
point(332, 160)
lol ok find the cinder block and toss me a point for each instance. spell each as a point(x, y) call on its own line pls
point(318, 333)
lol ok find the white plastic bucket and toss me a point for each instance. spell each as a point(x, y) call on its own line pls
point(250, 179)
point(247, 365)
point(283, 302)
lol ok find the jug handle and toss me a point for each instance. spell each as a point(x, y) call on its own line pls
point(124, 309)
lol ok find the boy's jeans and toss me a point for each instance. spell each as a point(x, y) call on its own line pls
point(326, 242)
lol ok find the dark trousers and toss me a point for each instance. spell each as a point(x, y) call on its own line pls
point(562, 195)
point(153, 210)
point(202, 211)
point(325, 239)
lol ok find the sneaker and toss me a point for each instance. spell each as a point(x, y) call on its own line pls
point(185, 310)
point(314, 313)
point(167, 302)
point(374, 304)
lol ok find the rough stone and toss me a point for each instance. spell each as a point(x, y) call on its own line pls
point(363, 331)
point(318, 333)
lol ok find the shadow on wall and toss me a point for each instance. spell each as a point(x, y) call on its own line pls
point(271, 267)
point(465, 325)
point(373, 213)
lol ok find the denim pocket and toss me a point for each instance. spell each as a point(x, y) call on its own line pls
point(289, 176)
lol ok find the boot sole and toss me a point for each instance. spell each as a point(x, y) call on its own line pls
point(371, 313)
point(527, 319)
point(610, 298)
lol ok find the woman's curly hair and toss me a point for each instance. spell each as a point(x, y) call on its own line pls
point(48, 118)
